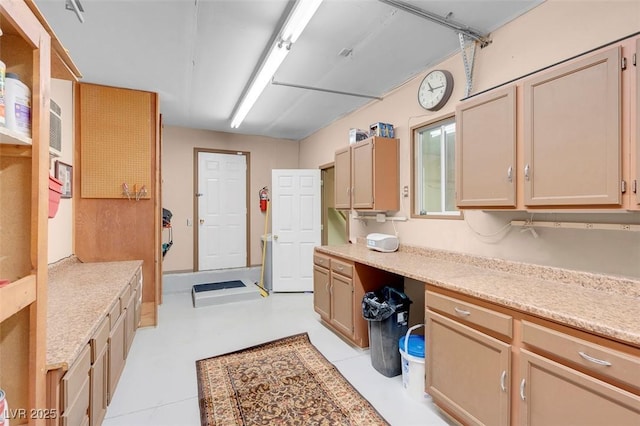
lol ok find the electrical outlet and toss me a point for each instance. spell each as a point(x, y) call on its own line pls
point(405, 191)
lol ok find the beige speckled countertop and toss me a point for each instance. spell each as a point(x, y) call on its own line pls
point(80, 296)
point(601, 304)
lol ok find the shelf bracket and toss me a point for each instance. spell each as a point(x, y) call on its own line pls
point(467, 43)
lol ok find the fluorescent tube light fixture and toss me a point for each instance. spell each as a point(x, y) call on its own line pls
point(296, 22)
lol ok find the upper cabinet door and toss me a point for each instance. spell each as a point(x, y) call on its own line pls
point(635, 120)
point(362, 174)
point(486, 150)
point(342, 166)
point(572, 133)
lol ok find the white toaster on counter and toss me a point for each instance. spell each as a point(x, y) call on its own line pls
point(382, 242)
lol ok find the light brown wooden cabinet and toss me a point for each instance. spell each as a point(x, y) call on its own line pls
point(322, 286)
point(486, 150)
point(116, 355)
point(489, 365)
point(75, 390)
point(568, 378)
point(572, 134)
point(468, 370)
point(634, 132)
point(367, 175)
point(342, 297)
point(27, 49)
point(562, 138)
point(342, 178)
point(100, 364)
point(339, 286)
point(551, 393)
point(99, 373)
point(333, 293)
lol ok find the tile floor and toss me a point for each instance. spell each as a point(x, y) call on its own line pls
point(158, 386)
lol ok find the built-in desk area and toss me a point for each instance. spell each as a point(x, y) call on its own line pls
point(506, 342)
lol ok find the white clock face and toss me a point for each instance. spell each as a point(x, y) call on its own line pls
point(434, 90)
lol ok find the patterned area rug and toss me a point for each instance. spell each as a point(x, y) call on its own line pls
point(283, 382)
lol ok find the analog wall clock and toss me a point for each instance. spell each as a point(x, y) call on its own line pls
point(435, 90)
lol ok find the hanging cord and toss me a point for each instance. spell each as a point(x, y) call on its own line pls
point(506, 227)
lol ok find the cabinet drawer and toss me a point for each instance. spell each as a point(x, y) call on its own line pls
point(114, 313)
point(491, 320)
point(321, 260)
point(342, 268)
point(74, 379)
point(124, 296)
point(597, 358)
point(99, 339)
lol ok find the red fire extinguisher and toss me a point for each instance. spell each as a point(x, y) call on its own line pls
point(264, 197)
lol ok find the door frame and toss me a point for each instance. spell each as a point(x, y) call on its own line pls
point(196, 228)
point(324, 203)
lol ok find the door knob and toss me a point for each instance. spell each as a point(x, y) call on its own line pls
point(201, 221)
point(275, 237)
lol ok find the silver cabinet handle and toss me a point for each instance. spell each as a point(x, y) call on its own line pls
point(510, 174)
point(503, 381)
point(526, 172)
point(522, 397)
point(594, 360)
point(462, 312)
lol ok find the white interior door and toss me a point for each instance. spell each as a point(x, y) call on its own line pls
point(222, 211)
point(296, 227)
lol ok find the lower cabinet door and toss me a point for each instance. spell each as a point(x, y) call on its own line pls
point(468, 372)
point(99, 378)
point(321, 295)
point(77, 412)
point(116, 355)
point(130, 327)
point(554, 394)
point(342, 303)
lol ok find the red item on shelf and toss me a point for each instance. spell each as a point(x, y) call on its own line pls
point(55, 191)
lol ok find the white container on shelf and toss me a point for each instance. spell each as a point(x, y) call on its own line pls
point(17, 103)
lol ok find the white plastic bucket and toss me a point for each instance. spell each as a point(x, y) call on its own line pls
point(413, 372)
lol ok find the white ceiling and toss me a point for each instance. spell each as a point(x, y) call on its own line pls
point(200, 54)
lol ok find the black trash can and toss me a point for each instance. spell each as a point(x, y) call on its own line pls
point(387, 312)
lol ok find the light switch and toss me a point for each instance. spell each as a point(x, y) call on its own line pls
point(189, 222)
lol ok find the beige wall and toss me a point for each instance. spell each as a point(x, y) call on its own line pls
point(178, 183)
point(551, 32)
point(60, 227)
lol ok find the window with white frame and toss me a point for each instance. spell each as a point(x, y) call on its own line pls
point(434, 169)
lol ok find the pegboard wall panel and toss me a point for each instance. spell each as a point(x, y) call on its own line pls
point(124, 154)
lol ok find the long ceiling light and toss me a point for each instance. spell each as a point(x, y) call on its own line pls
point(296, 22)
